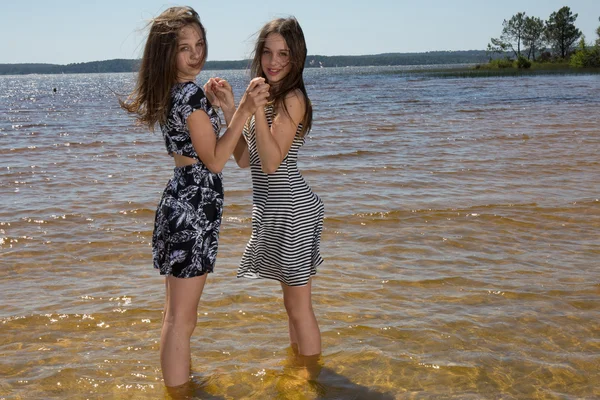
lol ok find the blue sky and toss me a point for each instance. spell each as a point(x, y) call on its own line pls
point(67, 31)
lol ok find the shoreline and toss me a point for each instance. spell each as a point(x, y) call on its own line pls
point(312, 61)
point(482, 72)
point(474, 70)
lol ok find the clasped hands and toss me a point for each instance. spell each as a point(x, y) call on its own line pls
point(220, 94)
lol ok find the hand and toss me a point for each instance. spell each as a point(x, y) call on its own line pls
point(256, 95)
point(210, 95)
point(220, 93)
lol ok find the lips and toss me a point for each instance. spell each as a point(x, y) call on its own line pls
point(195, 65)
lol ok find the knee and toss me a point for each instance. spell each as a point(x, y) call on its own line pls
point(181, 323)
point(297, 309)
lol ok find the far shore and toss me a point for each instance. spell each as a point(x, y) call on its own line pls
point(484, 70)
point(439, 64)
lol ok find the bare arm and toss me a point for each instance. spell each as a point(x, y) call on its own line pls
point(242, 157)
point(214, 152)
point(221, 93)
point(274, 143)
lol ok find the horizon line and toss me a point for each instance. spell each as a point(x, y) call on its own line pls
point(247, 59)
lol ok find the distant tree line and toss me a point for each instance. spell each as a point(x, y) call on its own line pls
point(314, 61)
point(394, 59)
point(117, 65)
point(525, 39)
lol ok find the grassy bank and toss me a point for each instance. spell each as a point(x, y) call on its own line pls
point(486, 70)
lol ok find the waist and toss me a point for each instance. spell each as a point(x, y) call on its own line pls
point(183, 161)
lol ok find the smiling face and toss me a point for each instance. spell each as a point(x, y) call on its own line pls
point(191, 48)
point(275, 58)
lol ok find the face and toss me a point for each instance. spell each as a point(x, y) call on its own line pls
point(190, 52)
point(275, 58)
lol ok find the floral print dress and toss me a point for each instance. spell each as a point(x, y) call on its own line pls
point(188, 217)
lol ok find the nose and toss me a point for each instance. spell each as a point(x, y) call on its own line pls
point(196, 53)
point(275, 60)
point(269, 59)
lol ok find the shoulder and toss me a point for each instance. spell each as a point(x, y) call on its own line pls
point(295, 105)
point(193, 92)
point(196, 100)
point(193, 96)
point(295, 98)
point(187, 98)
point(185, 89)
point(184, 93)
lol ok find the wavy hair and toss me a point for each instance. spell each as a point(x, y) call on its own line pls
point(151, 98)
point(290, 30)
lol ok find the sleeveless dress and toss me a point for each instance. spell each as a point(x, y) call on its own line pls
point(188, 216)
point(287, 218)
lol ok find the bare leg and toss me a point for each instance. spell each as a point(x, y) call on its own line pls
point(166, 301)
point(183, 295)
point(293, 336)
point(303, 326)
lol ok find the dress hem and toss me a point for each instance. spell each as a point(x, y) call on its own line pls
point(257, 277)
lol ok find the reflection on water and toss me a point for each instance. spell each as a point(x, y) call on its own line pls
point(460, 244)
point(297, 378)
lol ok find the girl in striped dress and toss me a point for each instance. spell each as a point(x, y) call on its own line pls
point(287, 217)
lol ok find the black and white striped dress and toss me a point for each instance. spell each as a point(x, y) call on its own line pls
point(287, 219)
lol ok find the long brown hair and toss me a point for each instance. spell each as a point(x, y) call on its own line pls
point(151, 99)
point(291, 31)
